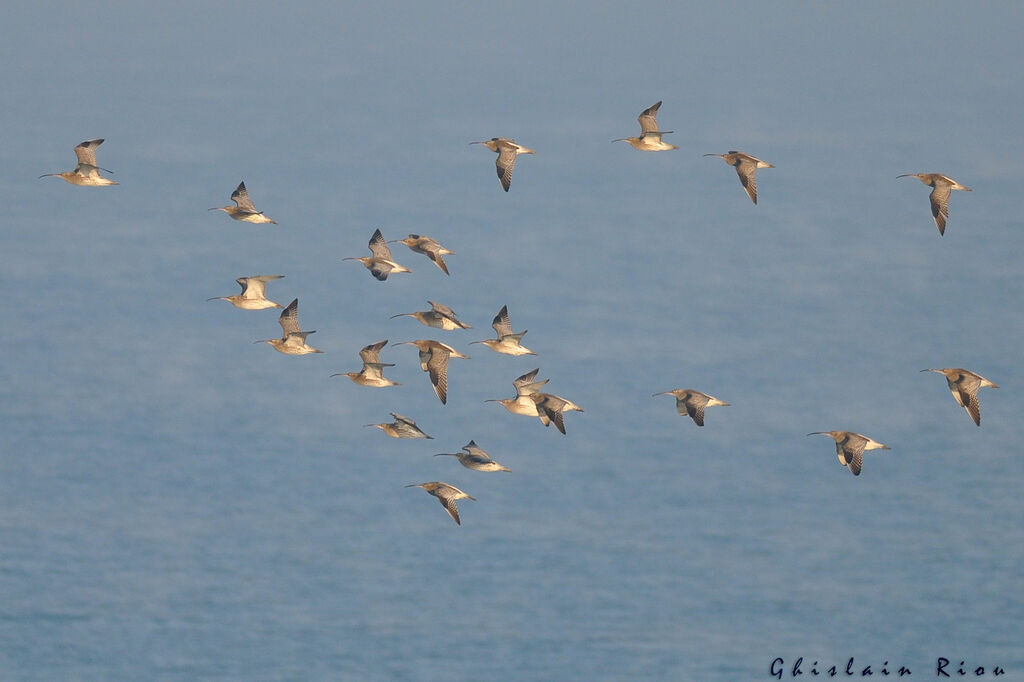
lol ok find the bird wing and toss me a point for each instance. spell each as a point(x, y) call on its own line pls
point(381, 268)
point(505, 163)
point(241, 198)
point(403, 420)
point(437, 367)
point(474, 449)
point(501, 324)
point(439, 261)
point(86, 152)
point(852, 450)
point(525, 380)
point(856, 462)
point(549, 409)
point(939, 199)
point(379, 247)
point(972, 406)
point(746, 169)
point(695, 408)
point(374, 370)
point(555, 415)
point(649, 119)
point(449, 505)
point(296, 339)
point(289, 319)
point(967, 395)
point(442, 308)
point(253, 288)
point(371, 353)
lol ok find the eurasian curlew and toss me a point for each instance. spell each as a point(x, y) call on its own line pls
point(254, 293)
point(650, 137)
point(746, 167)
point(294, 341)
point(446, 494)
point(964, 385)
point(86, 173)
point(243, 209)
point(380, 264)
point(850, 447)
point(507, 151)
point(692, 403)
point(939, 197)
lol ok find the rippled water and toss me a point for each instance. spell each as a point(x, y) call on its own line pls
point(179, 503)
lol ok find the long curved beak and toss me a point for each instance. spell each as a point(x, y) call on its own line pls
point(818, 433)
point(265, 341)
point(662, 393)
point(907, 175)
point(218, 298)
point(49, 175)
point(403, 343)
point(445, 454)
point(402, 315)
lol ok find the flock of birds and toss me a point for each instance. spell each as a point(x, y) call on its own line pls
point(529, 400)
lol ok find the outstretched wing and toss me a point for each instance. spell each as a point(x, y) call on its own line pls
point(746, 169)
point(501, 324)
point(939, 199)
point(505, 164)
point(649, 119)
point(695, 408)
point(437, 367)
point(86, 152)
point(371, 353)
point(241, 198)
point(379, 247)
point(289, 319)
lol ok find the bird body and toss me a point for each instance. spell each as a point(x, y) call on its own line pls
point(253, 296)
point(380, 264)
point(964, 385)
point(474, 458)
point(550, 408)
point(403, 427)
point(939, 197)
point(243, 209)
point(507, 150)
point(692, 403)
point(294, 341)
point(650, 137)
point(445, 493)
point(372, 373)
point(439, 316)
point(434, 360)
point(429, 248)
point(850, 447)
point(522, 403)
point(746, 167)
point(508, 342)
point(86, 173)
